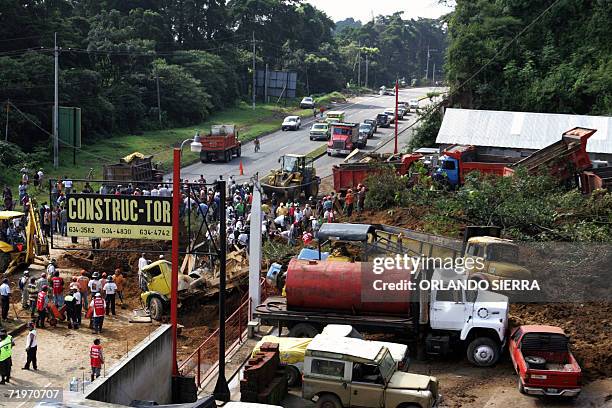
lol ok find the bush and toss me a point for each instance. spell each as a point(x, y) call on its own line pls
point(427, 131)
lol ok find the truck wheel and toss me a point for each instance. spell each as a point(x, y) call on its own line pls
point(521, 387)
point(328, 401)
point(303, 330)
point(239, 151)
point(228, 156)
point(204, 158)
point(156, 308)
point(483, 352)
point(293, 376)
point(313, 190)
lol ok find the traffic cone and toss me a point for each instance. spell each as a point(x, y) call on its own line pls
point(241, 169)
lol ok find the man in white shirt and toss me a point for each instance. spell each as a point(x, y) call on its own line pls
point(110, 288)
point(94, 284)
point(31, 347)
point(5, 295)
point(142, 262)
point(67, 185)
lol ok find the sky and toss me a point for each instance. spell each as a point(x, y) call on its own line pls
point(363, 9)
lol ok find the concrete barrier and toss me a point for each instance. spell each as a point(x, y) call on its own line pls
point(144, 374)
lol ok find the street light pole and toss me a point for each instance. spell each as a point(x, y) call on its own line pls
point(176, 203)
point(221, 391)
point(176, 200)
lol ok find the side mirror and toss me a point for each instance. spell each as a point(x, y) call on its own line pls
point(279, 159)
point(344, 385)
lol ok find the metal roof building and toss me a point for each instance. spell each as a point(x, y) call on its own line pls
point(521, 131)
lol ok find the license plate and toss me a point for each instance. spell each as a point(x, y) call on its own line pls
point(553, 390)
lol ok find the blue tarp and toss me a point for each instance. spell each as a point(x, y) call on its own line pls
point(308, 254)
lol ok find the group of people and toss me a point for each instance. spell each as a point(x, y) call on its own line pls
point(89, 293)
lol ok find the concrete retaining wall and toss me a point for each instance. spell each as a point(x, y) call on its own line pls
point(144, 374)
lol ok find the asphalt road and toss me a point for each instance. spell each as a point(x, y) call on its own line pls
point(278, 143)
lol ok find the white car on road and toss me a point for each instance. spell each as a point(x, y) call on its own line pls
point(307, 103)
point(291, 123)
point(413, 104)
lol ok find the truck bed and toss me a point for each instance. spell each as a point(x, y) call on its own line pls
point(274, 310)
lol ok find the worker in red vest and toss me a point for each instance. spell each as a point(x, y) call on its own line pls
point(98, 309)
point(57, 283)
point(97, 359)
point(42, 301)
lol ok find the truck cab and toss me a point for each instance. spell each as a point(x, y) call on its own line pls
point(476, 318)
point(498, 258)
point(344, 138)
point(347, 372)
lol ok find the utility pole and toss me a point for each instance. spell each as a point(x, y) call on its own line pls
point(359, 65)
point(7, 120)
point(427, 66)
point(367, 69)
point(159, 115)
point(433, 75)
point(266, 85)
point(396, 120)
point(253, 70)
point(56, 107)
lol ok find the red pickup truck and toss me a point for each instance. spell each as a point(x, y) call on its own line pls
point(543, 361)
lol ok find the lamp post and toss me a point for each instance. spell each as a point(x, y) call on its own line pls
point(196, 146)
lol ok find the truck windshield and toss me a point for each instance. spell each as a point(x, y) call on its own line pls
point(448, 165)
point(343, 131)
point(502, 253)
point(387, 366)
point(290, 164)
point(320, 127)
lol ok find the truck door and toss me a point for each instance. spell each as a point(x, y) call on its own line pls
point(450, 167)
point(448, 310)
point(367, 386)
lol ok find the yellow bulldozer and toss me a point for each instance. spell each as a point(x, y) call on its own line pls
point(18, 248)
point(296, 175)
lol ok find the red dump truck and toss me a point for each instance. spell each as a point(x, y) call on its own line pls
point(344, 138)
point(543, 361)
point(349, 175)
point(221, 144)
point(563, 159)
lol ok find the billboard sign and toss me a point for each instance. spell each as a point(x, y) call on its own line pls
point(278, 84)
point(119, 216)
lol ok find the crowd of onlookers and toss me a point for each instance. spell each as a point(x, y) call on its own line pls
point(290, 220)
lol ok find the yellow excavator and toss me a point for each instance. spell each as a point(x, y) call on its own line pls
point(19, 249)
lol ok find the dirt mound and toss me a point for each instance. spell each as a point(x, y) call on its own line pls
point(411, 218)
point(589, 325)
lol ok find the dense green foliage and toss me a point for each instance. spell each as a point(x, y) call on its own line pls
point(397, 48)
point(115, 52)
point(528, 207)
point(560, 64)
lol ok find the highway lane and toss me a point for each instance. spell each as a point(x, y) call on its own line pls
point(278, 143)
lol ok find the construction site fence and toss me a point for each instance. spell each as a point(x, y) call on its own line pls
point(203, 362)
